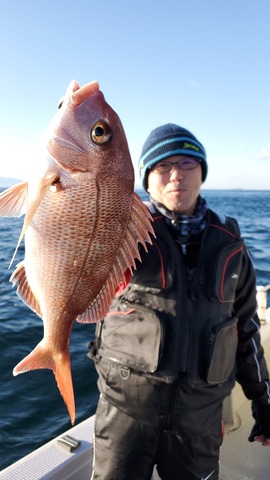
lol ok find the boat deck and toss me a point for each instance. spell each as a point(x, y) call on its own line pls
point(240, 459)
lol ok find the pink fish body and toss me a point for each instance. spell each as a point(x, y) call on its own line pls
point(83, 222)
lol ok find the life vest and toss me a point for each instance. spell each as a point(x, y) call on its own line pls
point(163, 324)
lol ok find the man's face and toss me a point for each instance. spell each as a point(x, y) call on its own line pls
point(176, 189)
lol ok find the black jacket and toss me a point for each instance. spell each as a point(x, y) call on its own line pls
point(170, 321)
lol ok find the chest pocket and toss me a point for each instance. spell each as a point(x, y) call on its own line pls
point(225, 272)
point(221, 342)
point(134, 337)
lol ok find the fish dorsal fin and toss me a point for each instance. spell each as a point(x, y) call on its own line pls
point(13, 201)
point(23, 290)
point(138, 231)
point(44, 184)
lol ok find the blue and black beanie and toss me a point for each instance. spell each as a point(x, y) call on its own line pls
point(166, 141)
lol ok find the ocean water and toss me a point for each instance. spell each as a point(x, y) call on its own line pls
point(32, 411)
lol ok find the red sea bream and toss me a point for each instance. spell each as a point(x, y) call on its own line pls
point(83, 222)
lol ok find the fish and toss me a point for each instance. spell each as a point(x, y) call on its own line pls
point(83, 228)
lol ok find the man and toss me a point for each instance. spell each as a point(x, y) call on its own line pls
point(180, 333)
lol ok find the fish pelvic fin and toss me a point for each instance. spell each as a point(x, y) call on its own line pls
point(59, 362)
point(138, 231)
point(13, 200)
point(44, 184)
point(23, 290)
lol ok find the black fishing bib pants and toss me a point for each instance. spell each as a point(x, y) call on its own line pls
point(166, 354)
point(127, 448)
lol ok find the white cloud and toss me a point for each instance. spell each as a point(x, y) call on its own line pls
point(193, 83)
point(264, 153)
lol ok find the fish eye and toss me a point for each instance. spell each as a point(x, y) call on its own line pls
point(101, 133)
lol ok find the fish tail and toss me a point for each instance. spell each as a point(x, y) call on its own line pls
point(62, 372)
point(59, 363)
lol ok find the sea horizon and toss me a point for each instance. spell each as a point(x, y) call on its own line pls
point(7, 182)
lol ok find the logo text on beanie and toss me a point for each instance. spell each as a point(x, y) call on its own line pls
point(191, 147)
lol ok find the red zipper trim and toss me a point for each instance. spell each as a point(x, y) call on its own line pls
point(158, 217)
point(163, 280)
point(223, 229)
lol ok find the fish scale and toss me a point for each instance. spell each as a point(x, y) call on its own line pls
point(83, 225)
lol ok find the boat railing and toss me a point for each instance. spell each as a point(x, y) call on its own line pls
point(263, 311)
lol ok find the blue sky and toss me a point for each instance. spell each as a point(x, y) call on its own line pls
point(203, 64)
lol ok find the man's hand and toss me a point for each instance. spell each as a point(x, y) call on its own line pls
point(261, 429)
point(263, 440)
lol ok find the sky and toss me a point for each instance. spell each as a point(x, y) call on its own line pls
point(203, 64)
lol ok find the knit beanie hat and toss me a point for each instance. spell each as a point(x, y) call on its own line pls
point(166, 141)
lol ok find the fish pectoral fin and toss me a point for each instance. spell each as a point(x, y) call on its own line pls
point(43, 186)
point(59, 363)
point(138, 231)
point(13, 200)
point(24, 290)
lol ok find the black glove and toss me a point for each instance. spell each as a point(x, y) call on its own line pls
point(261, 413)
